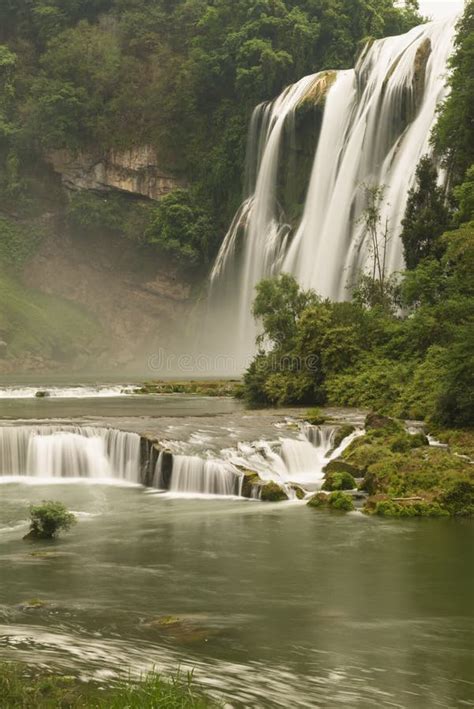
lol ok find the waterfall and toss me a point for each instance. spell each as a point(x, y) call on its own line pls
point(193, 475)
point(376, 124)
point(69, 452)
point(189, 474)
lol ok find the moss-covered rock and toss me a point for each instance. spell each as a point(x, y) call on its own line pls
point(320, 499)
point(272, 492)
point(250, 482)
point(459, 440)
point(376, 421)
point(299, 492)
point(404, 441)
point(33, 604)
point(342, 466)
point(458, 497)
point(341, 501)
point(339, 481)
point(408, 508)
point(315, 417)
point(342, 433)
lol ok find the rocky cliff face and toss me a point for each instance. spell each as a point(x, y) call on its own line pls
point(135, 171)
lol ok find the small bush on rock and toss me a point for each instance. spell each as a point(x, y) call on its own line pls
point(341, 501)
point(48, 519)
point(339, 481)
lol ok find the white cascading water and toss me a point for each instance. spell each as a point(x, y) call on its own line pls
point(69, 452)
point(376, 126)
point(193, 475)
point(291, 460)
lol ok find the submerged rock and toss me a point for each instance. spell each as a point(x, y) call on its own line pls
point(33, 604)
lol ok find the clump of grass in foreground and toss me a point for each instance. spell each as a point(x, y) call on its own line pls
point(25, 688)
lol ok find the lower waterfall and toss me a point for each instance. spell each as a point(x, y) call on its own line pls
point(86, 452)
point(69, 452)
point(193, 475)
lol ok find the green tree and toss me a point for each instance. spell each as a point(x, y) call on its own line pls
point(181, 227)
point(279, 305)
point(426, 215)
point(454, 133)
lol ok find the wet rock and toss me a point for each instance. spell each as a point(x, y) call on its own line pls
point(342, 433)
point(320, 499)
point(375, 421)
point(42, 394)
point(251, 483)
point(341, 466)
point(272, 492)
point(299, 492)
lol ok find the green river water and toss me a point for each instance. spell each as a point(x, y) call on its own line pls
point(271, 605)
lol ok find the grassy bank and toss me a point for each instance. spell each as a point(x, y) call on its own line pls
point(22, 687)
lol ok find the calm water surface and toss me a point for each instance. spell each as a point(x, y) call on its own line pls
point(273, 605)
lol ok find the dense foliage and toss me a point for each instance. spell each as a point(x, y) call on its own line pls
point(417, 364)
point(181, 75)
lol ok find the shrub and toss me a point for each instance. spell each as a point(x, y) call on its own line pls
point(315, 417)
point(339, 481)
point(48, 519)
point(341, 501)
point(389, 508)
point(458, 498)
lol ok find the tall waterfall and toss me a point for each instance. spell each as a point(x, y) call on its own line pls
point(69, 452)
point(375, 124)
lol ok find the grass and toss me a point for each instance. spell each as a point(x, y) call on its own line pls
point(24, 688)
point(33, 323)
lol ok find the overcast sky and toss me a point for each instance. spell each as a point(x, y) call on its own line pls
point(440, 8)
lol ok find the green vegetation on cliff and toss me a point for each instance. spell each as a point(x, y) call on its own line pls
point(180, 76)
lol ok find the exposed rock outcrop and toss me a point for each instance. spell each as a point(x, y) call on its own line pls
point(135, 171)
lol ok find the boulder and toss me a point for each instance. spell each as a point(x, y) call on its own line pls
point(272, 492)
